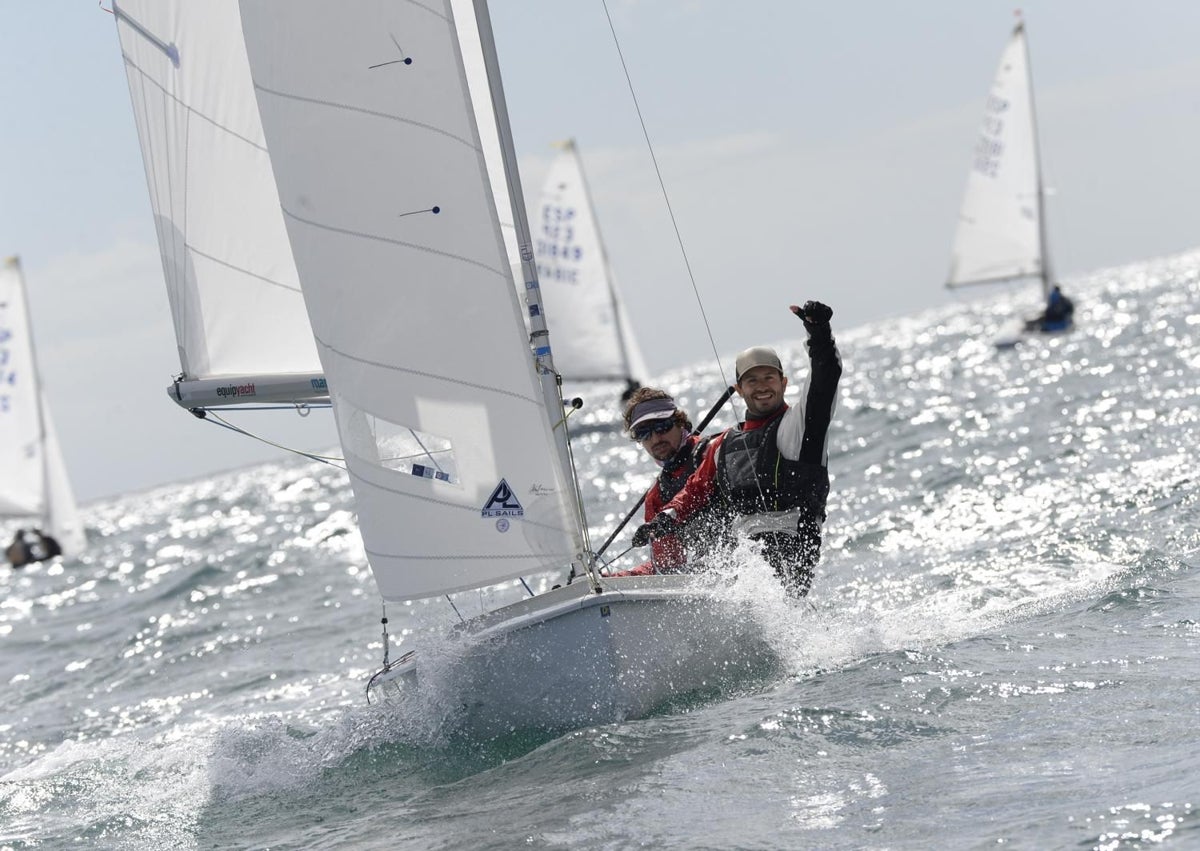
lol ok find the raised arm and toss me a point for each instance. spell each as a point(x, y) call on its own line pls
point(820, 396)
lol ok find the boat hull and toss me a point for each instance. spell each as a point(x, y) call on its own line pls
point(1015, 330)
point(572, 657)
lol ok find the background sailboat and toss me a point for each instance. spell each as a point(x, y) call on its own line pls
point(594, 340)
point(33, 477)
point(378, 119)
point(1001, 233)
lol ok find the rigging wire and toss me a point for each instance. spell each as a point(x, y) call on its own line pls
point(666, 198)
point(216, 419)
point(608, 563)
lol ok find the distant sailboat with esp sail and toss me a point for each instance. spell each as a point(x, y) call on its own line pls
point(33, 477)
point(1001, 233)
point(594, 340)
point(395, 176)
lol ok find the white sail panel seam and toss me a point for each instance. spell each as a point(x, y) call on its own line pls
point(373, 112)
point(191, 110)
point(241, 269)
point(425, 8)
point(393, 241)
point(434, 376)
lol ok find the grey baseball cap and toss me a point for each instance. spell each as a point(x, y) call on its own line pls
point(756, 356)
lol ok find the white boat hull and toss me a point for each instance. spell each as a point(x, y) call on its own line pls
point(572, 657)
point(1010, 333)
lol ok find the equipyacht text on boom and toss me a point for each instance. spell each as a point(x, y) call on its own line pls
point(237, 390)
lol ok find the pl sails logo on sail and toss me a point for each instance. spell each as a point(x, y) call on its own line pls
point(503, 503)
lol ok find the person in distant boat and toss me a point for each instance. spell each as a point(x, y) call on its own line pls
point(1059, 313)
point(30, 546)
point(46, 544)
point(654, 420)
point(17, 552)
point(631, 387)
point(767, 478)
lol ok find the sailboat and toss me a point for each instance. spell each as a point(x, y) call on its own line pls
point(33, 477)
point(354, 212)
point(396, 174)
point(1001, 233)
point(594, 338)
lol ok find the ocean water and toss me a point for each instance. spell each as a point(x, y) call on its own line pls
point(1002, 648)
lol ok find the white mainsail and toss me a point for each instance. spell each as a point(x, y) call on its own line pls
point(240, 321)
point(459, 478)
point(33, 476)
point(1001, 231)
point(593, 338)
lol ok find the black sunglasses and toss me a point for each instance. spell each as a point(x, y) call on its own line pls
point(643, 431)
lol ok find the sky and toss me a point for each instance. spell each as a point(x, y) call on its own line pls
point(809, 150)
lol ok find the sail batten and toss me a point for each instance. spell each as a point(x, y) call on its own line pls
point(332, 228)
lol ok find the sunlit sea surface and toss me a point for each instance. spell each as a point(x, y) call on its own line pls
point(1002, 647)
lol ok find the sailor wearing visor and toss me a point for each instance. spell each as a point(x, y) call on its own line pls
point(654, 420)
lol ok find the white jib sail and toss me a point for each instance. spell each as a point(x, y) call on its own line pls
point(33, 477)
point(593, 339)
point(999, 234)
point(387, 199)
point(239, 315)
point(62, 519)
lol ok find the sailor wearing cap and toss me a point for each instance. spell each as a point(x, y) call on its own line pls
point(767, 478)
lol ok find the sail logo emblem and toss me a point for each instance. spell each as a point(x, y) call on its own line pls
point(503, 503)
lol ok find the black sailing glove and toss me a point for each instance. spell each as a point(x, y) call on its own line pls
point(816, 318)
point(661, 525)
point(816, 313)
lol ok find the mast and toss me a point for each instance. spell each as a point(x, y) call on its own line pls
point(1044, 266)
point(539, 332)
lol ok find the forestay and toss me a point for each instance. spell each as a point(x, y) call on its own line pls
point(594, 341)
point(33, 476)
point(240, 321)
point(459, 480)
point(1001, 232)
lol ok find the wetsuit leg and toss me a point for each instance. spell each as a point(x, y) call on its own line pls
point(793, 557)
